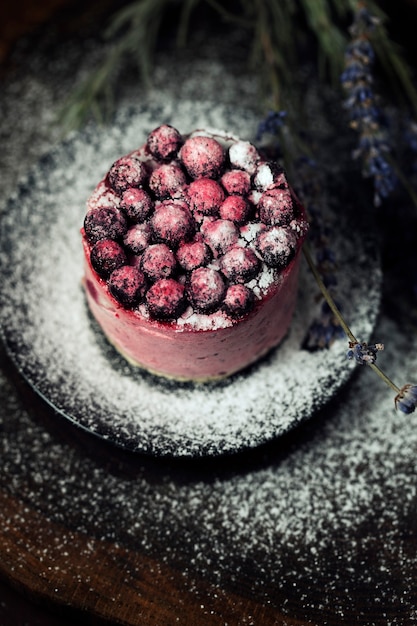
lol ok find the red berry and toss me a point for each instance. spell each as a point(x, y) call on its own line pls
point(238, 300)
point(127, 172)
point(202, 157)
point(158, 261)
point(137, 238)
point(270, 175)
point(240, 265)
point(172, 223)
point(236, 182)
point(220, 235)
point(193, 254)
point(166, 299)
point(206, 289)
point(276, 207)
point(244, 156)
point(107, 255)
point(236, 208)
point(164, 142)
point(167, 180)
point(128, 285)
point(276, 246)
point(205, 196)
point(137, 204)
point(104, 223)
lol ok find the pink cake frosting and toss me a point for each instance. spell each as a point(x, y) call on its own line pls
point(192, 251)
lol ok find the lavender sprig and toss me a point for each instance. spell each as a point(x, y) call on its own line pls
point(362, 104)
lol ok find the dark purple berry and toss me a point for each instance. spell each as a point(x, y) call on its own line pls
point(172, 223)
point(220, 235)
point(104, 223)
point(193, 254)
point(202, 157)
point(240, 265)
point(137, 204)
point(137, 238)
point(167, 180)
point(166, 299)
point(127, 172)
point(238, 300)
point(236, 208)
point(276, 207)
point(107, 255)
point(164, 142)
point(206, 289)
point(128, 285)
point(205, 196)
point(158, 261)
point(276, 246)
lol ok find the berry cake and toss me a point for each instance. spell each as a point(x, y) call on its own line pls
point(192, 249)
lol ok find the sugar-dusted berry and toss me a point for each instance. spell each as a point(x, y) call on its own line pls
point(127, 172)
point(166, 299)
point(206, 289)
point(172, 223)
point(104, 223)
point(276, 207)
point(220, 235)
point(244, 156)
point(206, 196)
point(107, 255)
point(164, 142)
point(236, 182)
point(193, 254)
point(237, 209)
point(166, 180)
point(240, 264)
point(276, 246)
point(238, 300)
point(158, 261)
point(128, 285)
point(137, 238)
point(137, 204)
point(269, 175)
point(202, 157)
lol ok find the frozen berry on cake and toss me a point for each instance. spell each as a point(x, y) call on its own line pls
point(270, 175)
point(172, 223)
point(166, 299)
point(244, 156)
point(238, 300)
point(193, 254)
point(205, 196)
point(206, 289)
point(276, 246)
point(202, 157)
point(104, 223)
point(240, 265)
point(158, 261)
point(106, 256)
point(220, 235)
point(137, 238)
point(136, 204)
point(167, 180)
point(236, 182)
point(127, 172)
point(164, 142)
point(237, 209)
point(276, 207)
point(128, 285)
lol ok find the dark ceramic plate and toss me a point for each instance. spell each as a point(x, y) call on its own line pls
point(60, 351)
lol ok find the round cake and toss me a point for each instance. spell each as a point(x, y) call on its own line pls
point(192, 250)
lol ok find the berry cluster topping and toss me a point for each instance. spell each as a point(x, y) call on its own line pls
point(192, 224)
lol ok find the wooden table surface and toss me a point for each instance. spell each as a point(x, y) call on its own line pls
point(318, 527)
